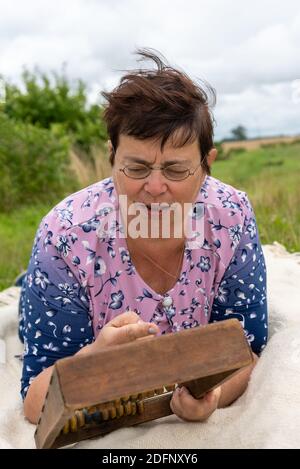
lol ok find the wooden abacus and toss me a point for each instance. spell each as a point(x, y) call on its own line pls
point(128, 384)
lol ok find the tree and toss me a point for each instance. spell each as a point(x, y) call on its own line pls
point(239, 133)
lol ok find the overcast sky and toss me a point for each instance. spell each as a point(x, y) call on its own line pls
point(249, 51)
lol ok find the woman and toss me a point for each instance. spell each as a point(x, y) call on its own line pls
point(87, 288)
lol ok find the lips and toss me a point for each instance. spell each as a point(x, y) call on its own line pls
point(162, 204)
point(155, 206)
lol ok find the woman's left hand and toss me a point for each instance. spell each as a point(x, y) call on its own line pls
point(185, 406)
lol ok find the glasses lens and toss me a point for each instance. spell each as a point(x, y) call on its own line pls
point(176, 172)
point(137, 171)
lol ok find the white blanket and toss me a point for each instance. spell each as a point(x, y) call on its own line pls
point(266, 416)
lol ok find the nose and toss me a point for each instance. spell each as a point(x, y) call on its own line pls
point(155, 183)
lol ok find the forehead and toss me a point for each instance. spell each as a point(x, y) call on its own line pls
point(131, 148)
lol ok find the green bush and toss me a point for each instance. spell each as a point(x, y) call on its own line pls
point(34, 165)
point(50, 101)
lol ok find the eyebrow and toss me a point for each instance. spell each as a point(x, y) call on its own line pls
point(140, 160)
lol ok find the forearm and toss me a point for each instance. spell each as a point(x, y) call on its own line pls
point(237, 385)
point(35, 396)
point(37, 391)
point(122, 329)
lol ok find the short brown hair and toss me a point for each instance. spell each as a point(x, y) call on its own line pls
point(160, 104)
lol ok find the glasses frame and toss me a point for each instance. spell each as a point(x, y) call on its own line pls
point(160, 168)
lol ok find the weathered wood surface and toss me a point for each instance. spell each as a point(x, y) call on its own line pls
point(200, 358)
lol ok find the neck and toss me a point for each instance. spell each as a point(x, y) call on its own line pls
point(158, 245)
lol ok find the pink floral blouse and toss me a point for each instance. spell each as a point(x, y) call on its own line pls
point(79, 279)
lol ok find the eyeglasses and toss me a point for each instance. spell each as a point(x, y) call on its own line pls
point(173, 172)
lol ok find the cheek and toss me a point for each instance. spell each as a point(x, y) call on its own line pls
point(191, 190)
point(184, 193)
point(127, 187)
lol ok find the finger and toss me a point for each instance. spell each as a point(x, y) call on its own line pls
point(207, 400)
point(176, 405)
point(149, 337)
point(129, 317)
point(191, 409)
point(131, 332)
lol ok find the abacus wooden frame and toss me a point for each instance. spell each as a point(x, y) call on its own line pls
point(201, 358)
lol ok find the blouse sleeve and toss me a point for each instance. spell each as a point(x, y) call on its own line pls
point(55, 321)
point(241, 293)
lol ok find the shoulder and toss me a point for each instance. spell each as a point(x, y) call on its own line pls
point(224, 200)
point(228, 217)
point(82, 208)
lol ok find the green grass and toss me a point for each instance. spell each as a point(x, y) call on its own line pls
point(17, 231)
point(270, 176)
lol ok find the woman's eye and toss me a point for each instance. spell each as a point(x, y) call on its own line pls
point(176, 169)
point(137, 169)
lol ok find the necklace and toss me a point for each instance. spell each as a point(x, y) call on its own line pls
point(162, 269)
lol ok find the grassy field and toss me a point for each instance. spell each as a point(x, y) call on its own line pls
point(253, 144)
point(270, 176)
point(17, 231)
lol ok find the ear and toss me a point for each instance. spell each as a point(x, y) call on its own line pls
point(212, 155)
point(109, 146)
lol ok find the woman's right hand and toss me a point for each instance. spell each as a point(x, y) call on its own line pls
point(124, 328)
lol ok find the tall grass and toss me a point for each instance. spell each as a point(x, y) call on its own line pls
point(90, 170)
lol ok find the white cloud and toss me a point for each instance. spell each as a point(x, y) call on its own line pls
point(261, 109)
point(248, 52)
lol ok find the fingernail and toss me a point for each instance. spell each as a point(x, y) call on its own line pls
point(140, 321)
point(151, 330)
